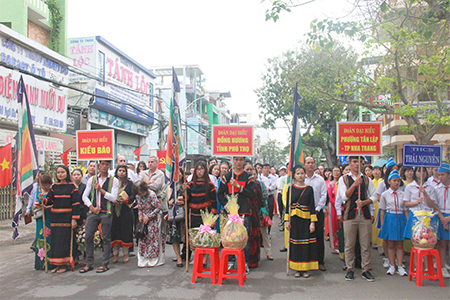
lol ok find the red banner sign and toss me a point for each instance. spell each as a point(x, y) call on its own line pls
point(161, 158)
point(232, 140)
point(95, 144)
point(359, 138)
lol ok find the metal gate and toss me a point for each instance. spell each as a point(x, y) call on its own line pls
point(7, 203)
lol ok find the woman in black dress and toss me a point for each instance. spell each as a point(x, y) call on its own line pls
point(65, 212)
point(122, 222)
point(302, 241)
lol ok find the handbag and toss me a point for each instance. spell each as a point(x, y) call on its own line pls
point(37, 213)
point(180, 214)
point(266, 221)
point(141, 230)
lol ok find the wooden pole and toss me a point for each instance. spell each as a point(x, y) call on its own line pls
point(187, 229)
point(44, 228)
point(289, 220)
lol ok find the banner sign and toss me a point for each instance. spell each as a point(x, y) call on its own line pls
point(359, 138)
point(422, 155)
point(95, 144)
point(161, 158)
point(232, 140)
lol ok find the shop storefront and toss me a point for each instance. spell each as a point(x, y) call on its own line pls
point(123, 89)
point(47, 100)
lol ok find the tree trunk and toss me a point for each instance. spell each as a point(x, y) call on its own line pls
point(330, 157)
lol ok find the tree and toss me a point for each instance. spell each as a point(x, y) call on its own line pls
point(272, 153)
point(406, 43)
point(325, 69)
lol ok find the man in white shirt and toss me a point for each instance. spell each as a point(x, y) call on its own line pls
point(271, 184)
point(320, 198)
point(99, 196)
point(153, 177)
point(358, 193)
point(90, 172)
point(121, 160)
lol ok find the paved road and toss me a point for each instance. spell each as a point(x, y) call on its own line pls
point(18, 279)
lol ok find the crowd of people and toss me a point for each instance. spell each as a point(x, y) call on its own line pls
point(354, 207)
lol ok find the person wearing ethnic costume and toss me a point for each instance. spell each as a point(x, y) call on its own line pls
point(151, 248)
point(255, 233)
point(39, 262)
point(442, 206)
point(99, 196)
point(358, 192)
point(122, 221)
point(201, 194)
point(65, 212)
point(303, 254)
point(238, 181)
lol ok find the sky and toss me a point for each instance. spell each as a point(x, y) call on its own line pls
point(230, 40)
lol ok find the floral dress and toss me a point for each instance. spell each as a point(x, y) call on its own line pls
point(152, 246)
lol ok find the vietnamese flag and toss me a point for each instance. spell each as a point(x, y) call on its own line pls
point(65, 157)
point(5, 166)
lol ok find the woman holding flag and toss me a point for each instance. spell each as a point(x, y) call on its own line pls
point(300, 221)
point(65, 212)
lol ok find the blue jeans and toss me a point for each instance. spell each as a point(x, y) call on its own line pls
point(232, 258)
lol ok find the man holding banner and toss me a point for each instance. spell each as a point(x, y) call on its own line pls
point(358, 192)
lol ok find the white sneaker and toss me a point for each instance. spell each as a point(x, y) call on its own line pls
point(386, 263)
point(391, 270)
point(401, 271)
point(380, 250)
point(445, 273)
point(247, 269)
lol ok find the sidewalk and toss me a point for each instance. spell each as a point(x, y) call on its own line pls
point(26, 232)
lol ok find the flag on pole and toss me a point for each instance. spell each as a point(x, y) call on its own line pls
point(137, 152)
point(296, 154)
point(65, 157)
point(5, 165)
point(26, 155)
point(175, 156)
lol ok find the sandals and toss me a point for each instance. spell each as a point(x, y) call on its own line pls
point(102, 269)
point(115, 258)
point(303, 274)
point(62, 270)
point(86, 269)
point(126, 258)
point(298, 274)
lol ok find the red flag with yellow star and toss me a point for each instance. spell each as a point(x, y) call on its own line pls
point(5, 166)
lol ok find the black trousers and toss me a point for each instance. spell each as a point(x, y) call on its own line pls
point(270, 206)
point(319, 236)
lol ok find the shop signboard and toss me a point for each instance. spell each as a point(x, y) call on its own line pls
point(48, 101)
point(359, 138)
point(95, 144)
point(429, 156)
point(232, 140)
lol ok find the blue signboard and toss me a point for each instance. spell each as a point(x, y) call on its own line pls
point(422, 155)
point(123, 110)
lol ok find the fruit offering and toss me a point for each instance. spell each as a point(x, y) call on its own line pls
point(205, 236)
point(234, 234)
point(424, 230)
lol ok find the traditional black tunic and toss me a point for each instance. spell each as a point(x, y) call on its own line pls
point(122, 222)
point(66, 207)
point(255, 224)
point(196, 199)
point(303, 254)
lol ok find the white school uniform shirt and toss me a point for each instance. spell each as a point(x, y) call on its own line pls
point(443, 197)
point(338, 202)
point(382, 188)
point(392, 201)
point(412, 193)
point(433, 182)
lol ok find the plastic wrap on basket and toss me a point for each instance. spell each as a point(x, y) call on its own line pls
point(234, 234)
point(204, 236)
point(424, 230)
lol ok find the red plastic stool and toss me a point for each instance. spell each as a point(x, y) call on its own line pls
point(198, 269)
point(240, 260)
point(417, 255)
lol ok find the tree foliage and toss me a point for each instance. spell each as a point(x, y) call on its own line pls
point(273, 154)
point(405, 56)
point(330, 70)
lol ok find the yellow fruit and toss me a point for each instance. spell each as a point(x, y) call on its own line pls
point(233, 235)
